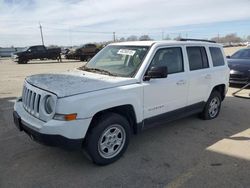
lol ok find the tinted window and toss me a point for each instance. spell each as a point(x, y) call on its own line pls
point(241, 54)
point(217, 57)
point(197, 58)
point(170, 57)
point(40, 48)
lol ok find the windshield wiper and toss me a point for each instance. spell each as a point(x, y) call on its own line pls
point(97, 70)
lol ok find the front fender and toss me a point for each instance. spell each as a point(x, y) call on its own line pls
point(88, 104)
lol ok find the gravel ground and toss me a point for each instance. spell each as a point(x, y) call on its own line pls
point(186, 153)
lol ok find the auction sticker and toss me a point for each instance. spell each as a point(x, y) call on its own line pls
point(126, 52)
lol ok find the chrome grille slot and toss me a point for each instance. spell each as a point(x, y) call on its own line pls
point(38, 103)
point(31, 101)
point(25, 96)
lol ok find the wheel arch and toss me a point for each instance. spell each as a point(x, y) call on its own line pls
point(221, 88)
point(126, 111)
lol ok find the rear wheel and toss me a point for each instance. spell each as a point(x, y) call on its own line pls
point(213, 105)
point(108, 139)
point(22, 61)
point(88, 58)
point(82, 58)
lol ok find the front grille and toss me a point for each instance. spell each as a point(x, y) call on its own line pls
point(31, 101)
point(240, 76)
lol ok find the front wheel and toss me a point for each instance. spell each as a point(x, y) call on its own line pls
point(212, 107)
point(108, 139)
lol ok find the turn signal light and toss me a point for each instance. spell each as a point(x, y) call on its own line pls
point(65, 117)
point(70, 117)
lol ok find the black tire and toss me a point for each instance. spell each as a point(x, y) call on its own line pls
point(97, 136)
point(82, 58)
point(22, 61)
point(210, 111)
point(88, 59)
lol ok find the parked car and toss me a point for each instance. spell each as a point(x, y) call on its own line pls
point(37, 52)
point(84, 53)
point(126, 88)
point(239, 64)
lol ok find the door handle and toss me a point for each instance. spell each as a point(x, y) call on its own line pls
point(208, 76)
point(181, 82)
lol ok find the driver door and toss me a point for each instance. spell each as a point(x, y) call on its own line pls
point(163, 95)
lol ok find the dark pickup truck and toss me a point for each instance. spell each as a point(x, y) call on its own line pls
point(84, 53)
point(37, 52)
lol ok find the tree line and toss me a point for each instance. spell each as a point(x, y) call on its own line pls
point(229, 38)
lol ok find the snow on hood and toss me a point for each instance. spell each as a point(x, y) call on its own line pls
point(76, 82)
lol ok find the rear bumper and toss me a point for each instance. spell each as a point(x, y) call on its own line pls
point(231, 81)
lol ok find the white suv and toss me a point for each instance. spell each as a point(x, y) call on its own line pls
point(125, 88)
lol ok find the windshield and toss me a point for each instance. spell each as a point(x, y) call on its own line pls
point(241, 54)
point(25, 49)
point(114, 60)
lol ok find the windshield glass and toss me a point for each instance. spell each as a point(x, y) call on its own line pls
point(114, 60)
point(241, 54)
point(25, 49)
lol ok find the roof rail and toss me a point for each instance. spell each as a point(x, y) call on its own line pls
point(199, 40)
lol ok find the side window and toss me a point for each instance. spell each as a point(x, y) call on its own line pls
point(217, 57)
point(197, 58)
point(170, 57)
point(39, 48)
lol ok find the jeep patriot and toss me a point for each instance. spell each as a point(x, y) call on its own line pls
point(125, 88)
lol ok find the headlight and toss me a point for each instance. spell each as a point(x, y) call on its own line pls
point(49, 104)
point(14, 56)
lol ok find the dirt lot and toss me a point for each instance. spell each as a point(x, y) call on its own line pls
point(186, 153)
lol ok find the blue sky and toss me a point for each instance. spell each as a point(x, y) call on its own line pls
point(74, 22)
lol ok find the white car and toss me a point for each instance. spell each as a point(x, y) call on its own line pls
point(127, 87)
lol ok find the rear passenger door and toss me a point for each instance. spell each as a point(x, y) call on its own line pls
point(199, 74)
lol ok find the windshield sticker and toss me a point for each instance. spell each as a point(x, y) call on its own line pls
point(126, 52)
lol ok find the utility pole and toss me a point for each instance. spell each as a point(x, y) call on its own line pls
point(218, 37)
point(114, 36)
point(162, 35)
point(41, 31)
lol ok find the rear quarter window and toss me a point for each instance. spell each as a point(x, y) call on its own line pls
point(217, 57)
point(197, 58)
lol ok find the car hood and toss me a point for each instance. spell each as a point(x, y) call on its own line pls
point(20, 53)
point(239, 64)
point(76, 82)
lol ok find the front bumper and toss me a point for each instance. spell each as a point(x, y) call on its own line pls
point(66, 134)
point(238, 77)
point(15, 58)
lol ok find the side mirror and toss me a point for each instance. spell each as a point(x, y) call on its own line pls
point(156, 72)
point(228, 56)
